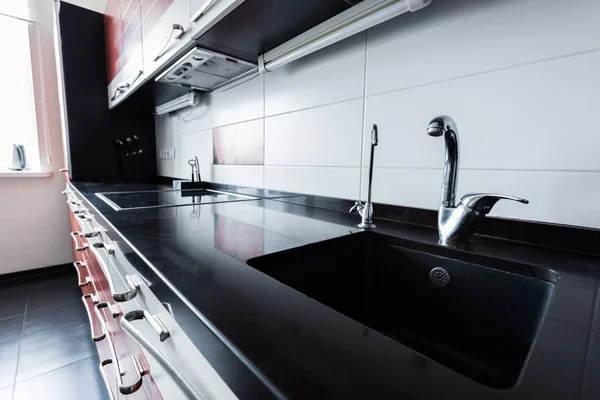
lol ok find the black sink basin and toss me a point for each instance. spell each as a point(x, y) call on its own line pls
point(477, 315)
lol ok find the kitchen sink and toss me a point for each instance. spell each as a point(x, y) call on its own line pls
point(146, 199)
point(476, 315)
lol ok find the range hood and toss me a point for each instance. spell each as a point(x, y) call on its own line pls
point(259, 36)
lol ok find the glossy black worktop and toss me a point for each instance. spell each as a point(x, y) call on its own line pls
point(308, 351)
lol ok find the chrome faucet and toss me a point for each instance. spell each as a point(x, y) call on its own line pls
point(456, 222)
point(365, 210)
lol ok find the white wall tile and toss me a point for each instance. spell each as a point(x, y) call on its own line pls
point(334, 74)
point(551, 194)
point(242, 103)
point(529, 117)
point(453, 38)
point(410, 187)
point(242, 175)
point(198, 144)
point(322, 136)
point(194, 119)
point(186, 146)
point(324, 181)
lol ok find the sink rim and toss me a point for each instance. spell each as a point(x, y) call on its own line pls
point(116, 207)
point(523, 268)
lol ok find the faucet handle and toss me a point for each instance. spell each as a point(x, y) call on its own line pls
point(484, 202)
point(358, 207)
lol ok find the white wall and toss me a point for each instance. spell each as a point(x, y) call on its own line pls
point(94, 5)
point(34, 223)
point(520, 77)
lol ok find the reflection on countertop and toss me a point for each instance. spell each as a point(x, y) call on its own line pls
point(311, 351)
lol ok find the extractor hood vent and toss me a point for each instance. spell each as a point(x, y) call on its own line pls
point(204, 70)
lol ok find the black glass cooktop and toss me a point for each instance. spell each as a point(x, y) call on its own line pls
point(168, 198)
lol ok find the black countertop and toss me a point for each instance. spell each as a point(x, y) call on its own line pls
point(310, 351)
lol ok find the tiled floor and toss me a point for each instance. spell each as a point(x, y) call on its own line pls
point(45, 347)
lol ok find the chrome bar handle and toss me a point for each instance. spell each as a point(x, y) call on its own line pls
point(131, 283)
point(127, 84)
point(156, 324)
point(201, 10)
point(81, 282)
point(174, 28)
point(117, 92)
point(120, 89)
point(156, 353)
point(139, 370)
point(77, 247)
point(88, 308)
point(169, 308)
point(105, 378)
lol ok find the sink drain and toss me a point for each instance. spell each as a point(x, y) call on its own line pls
point(439, 277)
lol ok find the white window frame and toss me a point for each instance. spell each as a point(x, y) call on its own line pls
point(40, 99)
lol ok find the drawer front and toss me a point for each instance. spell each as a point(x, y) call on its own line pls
point(164, 39)
point(128, 377)
point(151, 348)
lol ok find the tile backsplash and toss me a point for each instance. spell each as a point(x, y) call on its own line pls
point(518, 76)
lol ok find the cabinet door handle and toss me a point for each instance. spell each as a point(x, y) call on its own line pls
point(89, 301)
point(139, 370)
point(105, 378)
point(177, 36)
point(63, 170)
point(81, 282)
point(131, 284)
point(116, 93)
point(169, 308)
point(83, 247)
point(201, 10)
point(122, 87)
point(159, 328)
point(163, 334)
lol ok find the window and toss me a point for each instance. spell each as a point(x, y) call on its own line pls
point(18, 124)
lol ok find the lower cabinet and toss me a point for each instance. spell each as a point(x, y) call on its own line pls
point(140, 345)
point(123, 365)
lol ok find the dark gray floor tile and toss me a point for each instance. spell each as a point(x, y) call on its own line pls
point(80, 380)
point(6, 393)
point(44, 353)
point(9, 354)
point(12, 300)
point(53, 290)
point(11, 329)
point(51, 319)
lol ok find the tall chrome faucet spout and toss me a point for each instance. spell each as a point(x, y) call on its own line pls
point(445, 126)
point(455, 221)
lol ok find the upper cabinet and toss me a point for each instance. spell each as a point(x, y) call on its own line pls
point(217, 44)
point(204, 14)
point(124, 52)
point(165, 29)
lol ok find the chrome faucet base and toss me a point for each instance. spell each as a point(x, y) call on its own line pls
point(366, 225)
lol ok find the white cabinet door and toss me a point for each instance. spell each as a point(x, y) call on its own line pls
point(165, 38)
point(127, 80)
point(206, 13)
